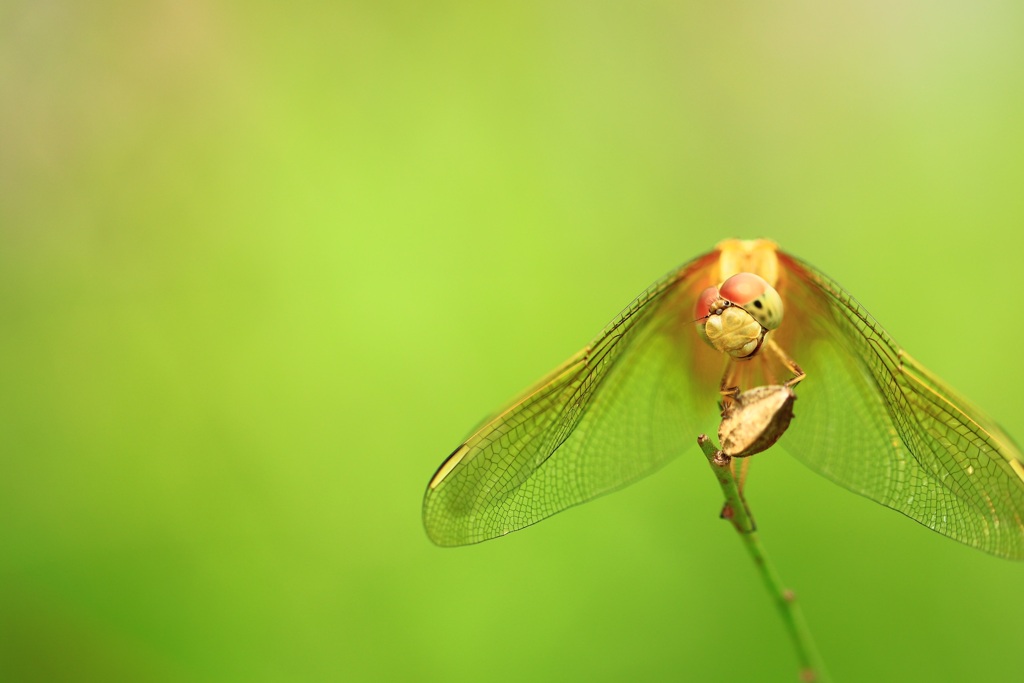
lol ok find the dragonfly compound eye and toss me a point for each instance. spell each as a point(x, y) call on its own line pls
point(705, 302)
point(754, 295)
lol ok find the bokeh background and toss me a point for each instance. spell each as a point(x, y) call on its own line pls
point(263, 265)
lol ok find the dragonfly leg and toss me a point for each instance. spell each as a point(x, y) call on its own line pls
point(728, 388)
point(791, 365)
point(740, 475)
point(742, 478)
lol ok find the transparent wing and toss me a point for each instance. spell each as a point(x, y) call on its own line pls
point(873, 420)
point(617, 410)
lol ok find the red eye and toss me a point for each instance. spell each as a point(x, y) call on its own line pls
point(743, 288)
point(704, 301)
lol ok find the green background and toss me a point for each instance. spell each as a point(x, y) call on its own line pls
point(264, 265)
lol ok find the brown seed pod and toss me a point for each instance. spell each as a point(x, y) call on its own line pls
point(756, 420)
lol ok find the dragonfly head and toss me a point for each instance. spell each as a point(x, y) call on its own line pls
point(737, 315)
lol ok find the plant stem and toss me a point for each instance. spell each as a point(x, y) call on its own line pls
point(738, 513)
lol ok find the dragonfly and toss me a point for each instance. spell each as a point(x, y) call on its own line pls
point(871, 418)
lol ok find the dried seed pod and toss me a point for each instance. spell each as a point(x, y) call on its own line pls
point(755, 420)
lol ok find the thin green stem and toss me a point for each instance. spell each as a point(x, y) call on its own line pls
point(737, 512)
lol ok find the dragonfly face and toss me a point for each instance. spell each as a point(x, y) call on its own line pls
point(872, 419)
point(738, 314)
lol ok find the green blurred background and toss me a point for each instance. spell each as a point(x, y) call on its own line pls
point(263, 266)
